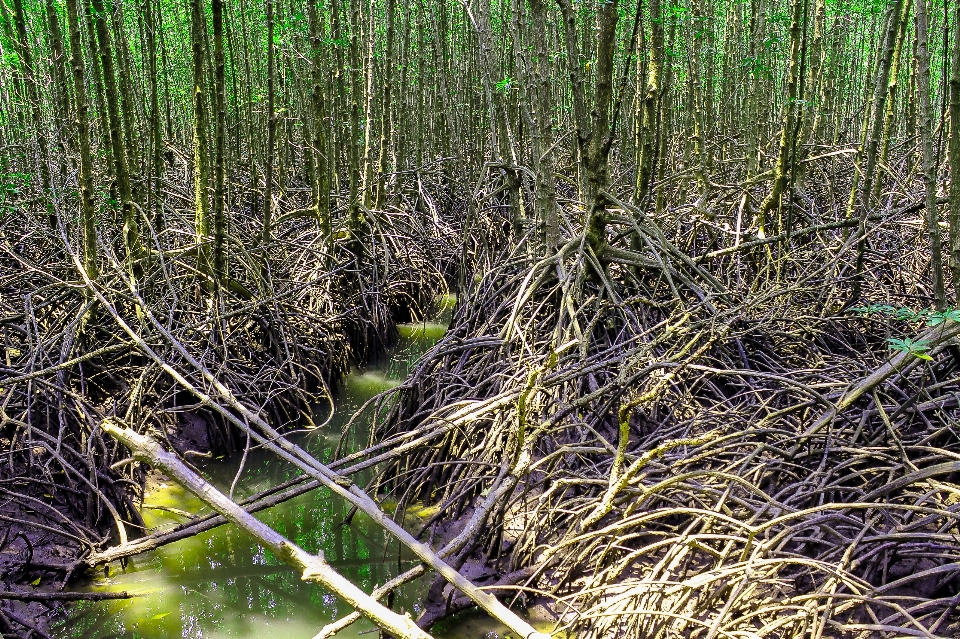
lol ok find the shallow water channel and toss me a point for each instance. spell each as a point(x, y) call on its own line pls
point(221, 584)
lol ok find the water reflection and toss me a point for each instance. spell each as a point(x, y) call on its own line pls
point(220, 584)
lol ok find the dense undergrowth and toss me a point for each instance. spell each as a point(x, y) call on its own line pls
point(702, 380)
point(701, 439)
point(693, 434)
point(279, 332)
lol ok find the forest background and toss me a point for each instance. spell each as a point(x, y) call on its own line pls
point(702, 377)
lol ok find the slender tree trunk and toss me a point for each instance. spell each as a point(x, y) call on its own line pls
point(700, 56)
point(542, 130)
point(103, 121)
point(594, 137)
point(131, 229)
point(385, 107)
point(318, 125)
point(870, 138)
point(877, 109)
point(596, 151)
point(783, 170)
point(357, 217)
point(36, 112)
point(201, 161)
point(155, 164)
point(125, 87)
point(271, 128)
point(753, 91)
point(504, 146)
point(814, 80)
point(955, 156)
point(58, 62)
point(929, 160)
point(369, 71)
point(911, 115)
point(649, 108)
point(87, 212)
point(888, 118)
point(220, 144)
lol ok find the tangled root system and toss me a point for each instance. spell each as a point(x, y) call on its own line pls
point(681, 440)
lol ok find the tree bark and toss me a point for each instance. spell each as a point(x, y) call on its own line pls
point(131, 228)
point(955, 155)
point(929, 159)
point(87, 212)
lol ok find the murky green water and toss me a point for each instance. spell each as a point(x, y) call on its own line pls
point(220, 584)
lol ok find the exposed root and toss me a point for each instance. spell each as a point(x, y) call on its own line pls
point(279, 330)
point(676, 446)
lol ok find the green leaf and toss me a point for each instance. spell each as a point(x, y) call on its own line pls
point(898, 344)
point(953, 314)
point(907, 345)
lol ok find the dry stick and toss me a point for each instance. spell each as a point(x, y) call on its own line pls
point(196, 526)
point(334, 627)
point(283, 448)
point(314, 567)
point(934, 339)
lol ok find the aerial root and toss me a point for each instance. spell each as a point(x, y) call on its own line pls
point(681, 448)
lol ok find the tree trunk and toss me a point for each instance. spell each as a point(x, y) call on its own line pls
point(271, 129)
point(58, 62)
point(33, 96)
point(594, 138)
point(201, 161)
point(87, 212)
point(131, 229)
point(892, 96)
point(649, 108)
point(545, 206)
point(385, 107)
point(783, 172)
point(955, 156)
point(877, 108)
point(220, 142)
point(318, 126)
point(155, 164)
point(929, 160)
